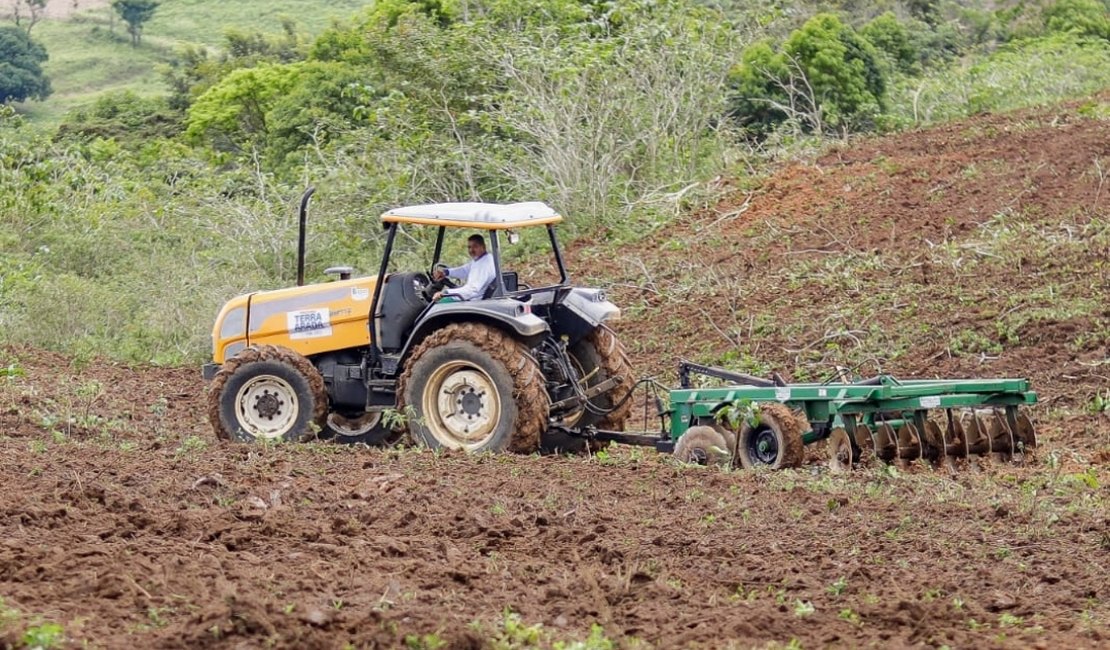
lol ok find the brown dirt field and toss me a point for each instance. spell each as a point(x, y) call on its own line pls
point(125, 521)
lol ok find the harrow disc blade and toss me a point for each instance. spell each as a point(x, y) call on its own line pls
point(933, 440)
point(955, 438)
point(865, 442)
point(1025, 433)
point(978, 435)
point(1002, 440)
point(909, 442)
point(886, 443)
point(702, 446)
point(841, 454)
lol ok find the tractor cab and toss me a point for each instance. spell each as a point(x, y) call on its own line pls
point(404, 306)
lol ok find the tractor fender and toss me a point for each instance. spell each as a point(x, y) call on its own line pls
point(513, 316)
point(591, 305)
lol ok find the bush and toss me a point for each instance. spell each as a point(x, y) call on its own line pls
point(826, 76)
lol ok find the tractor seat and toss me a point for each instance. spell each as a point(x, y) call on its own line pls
point(510, 280)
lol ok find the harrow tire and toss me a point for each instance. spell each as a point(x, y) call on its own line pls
point(267, 392)
point(461, 354)
point(775, 442)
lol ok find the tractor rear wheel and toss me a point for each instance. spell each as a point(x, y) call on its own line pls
point(601, 356)
point(475, 388)
point(774, 442)
point(267, 392)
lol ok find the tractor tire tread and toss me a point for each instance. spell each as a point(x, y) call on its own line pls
point(257, 353)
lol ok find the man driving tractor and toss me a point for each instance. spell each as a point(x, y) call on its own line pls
point(478, 273)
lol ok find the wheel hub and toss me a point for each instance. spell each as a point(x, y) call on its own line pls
point(461, 406)
point(765, 447)
point(267, 407)
point(268, 404)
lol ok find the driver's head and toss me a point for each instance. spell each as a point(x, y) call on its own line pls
point(476, 246)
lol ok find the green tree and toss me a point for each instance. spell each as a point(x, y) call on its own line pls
point(21, 59)
point(825, 76)
point(135, 13)
point(893, 40)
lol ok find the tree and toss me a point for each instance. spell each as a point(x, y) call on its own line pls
point(35, 10)
point(21, 61)
point(135, 13)
point(824, 75)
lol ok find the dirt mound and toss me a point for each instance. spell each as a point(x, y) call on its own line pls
point(978, 248)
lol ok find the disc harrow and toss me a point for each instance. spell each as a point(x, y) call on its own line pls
point(942, 423)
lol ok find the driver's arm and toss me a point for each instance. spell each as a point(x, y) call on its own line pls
point(460, 272)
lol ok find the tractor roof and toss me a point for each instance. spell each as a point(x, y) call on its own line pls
point(485, 216)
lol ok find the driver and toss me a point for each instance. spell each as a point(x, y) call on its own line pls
point(479, 272)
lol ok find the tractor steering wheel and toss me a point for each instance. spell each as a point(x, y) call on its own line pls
point(435, 286)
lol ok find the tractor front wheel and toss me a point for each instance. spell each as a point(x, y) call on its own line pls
point(267, 393)
point(475, 388)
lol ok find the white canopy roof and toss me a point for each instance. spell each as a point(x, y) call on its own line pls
point(484, 215)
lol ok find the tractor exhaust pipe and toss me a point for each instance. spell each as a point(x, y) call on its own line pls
point(301, 234)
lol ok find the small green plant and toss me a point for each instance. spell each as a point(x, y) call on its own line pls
point(44, 636)
point(1100, 403)
point(11, 372)
point(838, 587)
point(192, 444)
point(1009, 620)
point(803, 608)
point(741, 411)
point(424, 642)
point(848, 614)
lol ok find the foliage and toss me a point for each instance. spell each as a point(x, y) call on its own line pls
point(1081, 17)
point(21, 59)
point(1023, 73)
point(125, 117)
point(892, 40)
point(824, 76)
point(135, 13)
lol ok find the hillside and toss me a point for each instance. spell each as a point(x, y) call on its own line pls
point(90, 53)
point(975, 248)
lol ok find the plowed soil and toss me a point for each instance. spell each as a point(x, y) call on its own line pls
point(126, 522)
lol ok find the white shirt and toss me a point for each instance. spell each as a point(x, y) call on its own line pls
point(478, 274)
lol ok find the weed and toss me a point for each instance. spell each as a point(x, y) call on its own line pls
point(848, 614)
point(803, 608)
point(838, 587)
point(44, 636)
point(1009, 620)
point(192, 444)
point(424, 642)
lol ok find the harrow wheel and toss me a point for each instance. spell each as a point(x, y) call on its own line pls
point(702, 445)
point(775, 441)
point(842, 454)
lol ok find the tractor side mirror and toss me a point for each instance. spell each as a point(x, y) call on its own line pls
point(514, 236)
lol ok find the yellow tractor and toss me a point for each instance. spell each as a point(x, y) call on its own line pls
point(359, 358)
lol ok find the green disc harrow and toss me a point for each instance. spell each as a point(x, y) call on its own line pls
point(767, 422)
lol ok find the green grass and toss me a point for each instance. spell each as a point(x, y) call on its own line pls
point(88, 57)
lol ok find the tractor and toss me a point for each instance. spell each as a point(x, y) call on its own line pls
point(359, 359)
